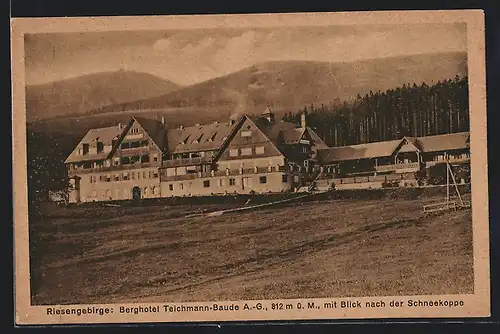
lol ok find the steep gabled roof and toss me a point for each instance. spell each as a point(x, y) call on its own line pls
point(156, 130)
point(285, 131)
point(104, 135)
point(318, 142)
point(451, 141)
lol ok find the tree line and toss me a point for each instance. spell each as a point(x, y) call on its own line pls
point(411, 110)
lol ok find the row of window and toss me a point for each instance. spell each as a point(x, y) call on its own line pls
point(134, 144)
point(232, 182)
point(124, 176)
point(124, 193)
point(134, 159)
point(234, 152)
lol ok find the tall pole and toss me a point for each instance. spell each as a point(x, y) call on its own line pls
point(447, 182)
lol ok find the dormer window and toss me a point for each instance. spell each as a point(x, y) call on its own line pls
point(85, 148)
point(185, 140)
point(212, 138)
point(100, 146)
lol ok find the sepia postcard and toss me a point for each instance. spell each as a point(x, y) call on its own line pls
point(212, 168)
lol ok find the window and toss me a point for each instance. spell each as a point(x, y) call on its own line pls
point(233, 152)
point(156, 190)
point(144, 143)
point(125, 176)
point(100, 146)
point(138, 175)
point(259, 150)
point(143, 175)
point(124, 146)
point(145, 158)
point(116, 161)
point(155, 157)
point(246, 151)
point(155, 175)
point(206, 183)
point(85, 148)
point(108, 178)
point(91, 179)
point(181, 186)
point(145, 190)
point(134, 144)
point(263, 179)
point(101, 177)
point(190, 185)
point(232, 182)
point(284, 178)
point(170, 187)
point(125, 161)
point(117, 177)
point(246, 133)
point(133, 176)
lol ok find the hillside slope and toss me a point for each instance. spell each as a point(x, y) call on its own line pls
point(293, 84)
point(77, 95)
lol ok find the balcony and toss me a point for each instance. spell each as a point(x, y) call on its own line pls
point(111, 168)
point(232, 172)
point(187, 162)
point(398, 167)
point(450, 159)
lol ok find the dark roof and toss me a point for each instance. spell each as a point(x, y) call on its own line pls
point(318, 142)
point(274, 131)
point(156, 130)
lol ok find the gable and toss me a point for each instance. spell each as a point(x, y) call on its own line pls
point(248, 141)
point(134, 141)
point(407, 144)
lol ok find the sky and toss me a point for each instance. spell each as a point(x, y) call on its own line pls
point(190, 56)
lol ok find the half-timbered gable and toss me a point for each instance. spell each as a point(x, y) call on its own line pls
point(251, 146)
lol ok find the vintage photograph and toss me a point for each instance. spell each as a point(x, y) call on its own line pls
point(284, 161)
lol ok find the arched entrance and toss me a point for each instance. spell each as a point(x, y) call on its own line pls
point(136, 193)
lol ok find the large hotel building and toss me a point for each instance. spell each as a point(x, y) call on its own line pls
point(246, 154)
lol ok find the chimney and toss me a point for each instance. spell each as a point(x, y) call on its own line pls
point(303, 120)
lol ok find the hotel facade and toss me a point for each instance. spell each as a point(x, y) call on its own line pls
point(246, 154)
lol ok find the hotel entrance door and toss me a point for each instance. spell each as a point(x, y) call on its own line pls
point(246, 183)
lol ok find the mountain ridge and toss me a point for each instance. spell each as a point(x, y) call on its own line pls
point(78, 94)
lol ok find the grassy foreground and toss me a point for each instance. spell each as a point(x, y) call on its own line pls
point(330, 248)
